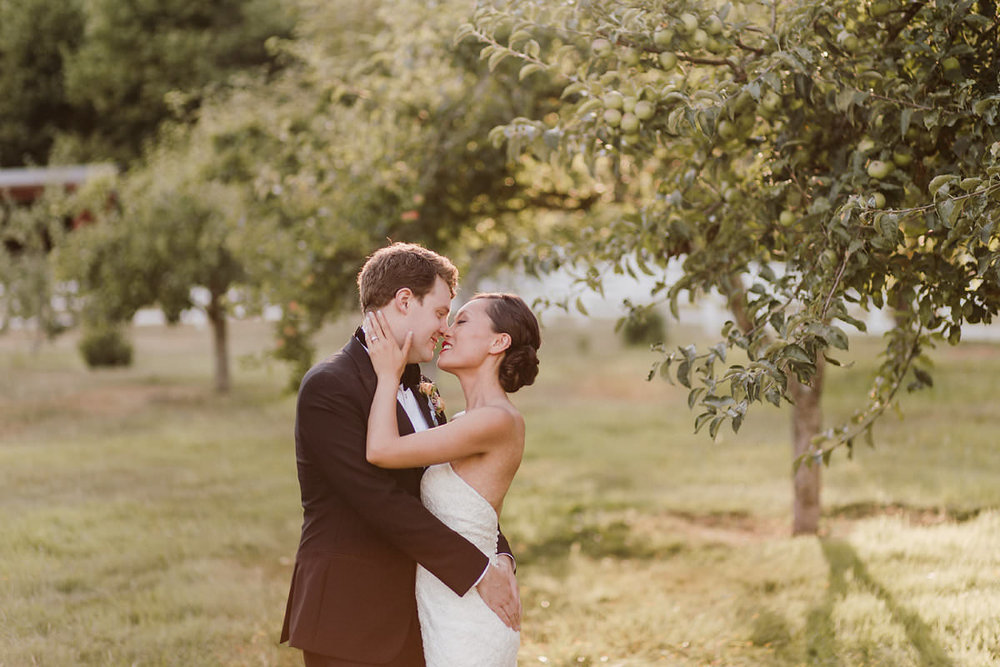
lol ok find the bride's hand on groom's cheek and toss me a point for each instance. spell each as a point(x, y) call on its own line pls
point(387, 357)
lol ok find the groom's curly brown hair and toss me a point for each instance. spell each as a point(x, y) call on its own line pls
point(389, 269)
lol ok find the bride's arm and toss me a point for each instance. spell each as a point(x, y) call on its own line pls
point(474, 433)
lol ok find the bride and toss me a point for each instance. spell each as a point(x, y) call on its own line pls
point(491, 347)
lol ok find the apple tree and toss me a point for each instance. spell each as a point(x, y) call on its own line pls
point(809, 161)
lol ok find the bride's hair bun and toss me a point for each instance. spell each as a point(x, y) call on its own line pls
point(512, 316)
point(518, 368)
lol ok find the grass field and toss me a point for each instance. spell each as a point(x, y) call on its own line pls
point(147, 521)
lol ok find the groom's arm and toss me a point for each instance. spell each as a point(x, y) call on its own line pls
point(332, 423)
point(503, 549)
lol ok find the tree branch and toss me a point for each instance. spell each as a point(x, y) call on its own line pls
point(907, 17)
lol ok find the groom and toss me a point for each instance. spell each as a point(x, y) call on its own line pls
point(352, 599)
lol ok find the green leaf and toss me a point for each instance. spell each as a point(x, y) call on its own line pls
point(496, 57)
point(796, 353)
point(683, 371)
point(904, 120)
point(693, 396)
point(573, 89)
point(700, 420)
point(589, 106)
point(713, 428)
point(528, 69)
point(939, 182)
point(736, 422)
point(518, 37)
point(833, 336)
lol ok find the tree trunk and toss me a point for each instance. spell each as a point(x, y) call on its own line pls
point(807, 416)
point(483, 264)
point(220, 339)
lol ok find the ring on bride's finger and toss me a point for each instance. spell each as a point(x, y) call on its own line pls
point(374, 338)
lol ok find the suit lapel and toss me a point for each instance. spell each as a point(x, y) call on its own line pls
point(403, 419)
point(368, 380)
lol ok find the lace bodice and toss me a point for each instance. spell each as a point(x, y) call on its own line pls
point(451, 499)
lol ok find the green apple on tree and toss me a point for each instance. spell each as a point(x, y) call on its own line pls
point(644, 110)
point(713, 25)
point(771, 101)
point(613, 100)
point(902, 157)
point(629, 123)
point(663, 37)
point(879, 169)
point(668, 60)
point(726, 130)
point(629, 56)
point(688, 23)
point(880, 8)
point(601, 46)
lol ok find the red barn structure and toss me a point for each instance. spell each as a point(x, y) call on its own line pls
point(22, 186)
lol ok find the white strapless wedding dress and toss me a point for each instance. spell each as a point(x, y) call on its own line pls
point(461, 631)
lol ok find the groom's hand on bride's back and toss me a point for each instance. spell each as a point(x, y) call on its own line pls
point(498, 589)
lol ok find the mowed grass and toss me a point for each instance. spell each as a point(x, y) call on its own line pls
point(147, 521)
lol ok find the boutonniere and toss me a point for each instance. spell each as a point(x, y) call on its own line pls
point(428, 389)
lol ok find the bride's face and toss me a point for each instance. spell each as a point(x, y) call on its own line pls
point(470, 338)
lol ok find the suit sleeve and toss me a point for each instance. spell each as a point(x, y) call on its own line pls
point(504, 548)
point(333, 424)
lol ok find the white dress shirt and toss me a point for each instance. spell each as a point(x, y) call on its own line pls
point(405, 397)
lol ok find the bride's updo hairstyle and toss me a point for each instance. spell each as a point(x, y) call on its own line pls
point(511, 315)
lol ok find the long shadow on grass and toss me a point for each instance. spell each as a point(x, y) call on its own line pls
point(820, 630)
point(606, 540)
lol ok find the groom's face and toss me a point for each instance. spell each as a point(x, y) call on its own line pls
point(428, 320)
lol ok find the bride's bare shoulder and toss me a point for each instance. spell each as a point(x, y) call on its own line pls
point(495, 416)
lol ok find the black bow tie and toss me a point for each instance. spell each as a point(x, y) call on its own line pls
point(411, 377)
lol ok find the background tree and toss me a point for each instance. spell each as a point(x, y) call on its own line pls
point(171, 227)
point(36, 37)
point(93, 81)
point(379, 136)
point(27, 287)
point(140, 64)
point(808, 161)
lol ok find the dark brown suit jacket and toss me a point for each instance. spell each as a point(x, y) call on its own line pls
point(364, 528)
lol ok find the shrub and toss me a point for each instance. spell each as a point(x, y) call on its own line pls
point(105, 346)
point(644, 327)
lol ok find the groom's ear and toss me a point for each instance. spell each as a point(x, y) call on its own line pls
point(403, 298)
